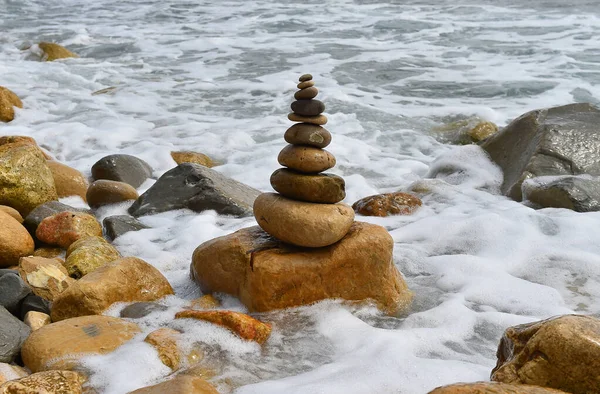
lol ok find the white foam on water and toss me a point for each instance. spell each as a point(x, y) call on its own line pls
point(218, 78)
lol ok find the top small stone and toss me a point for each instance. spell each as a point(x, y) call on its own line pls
point(305, 77)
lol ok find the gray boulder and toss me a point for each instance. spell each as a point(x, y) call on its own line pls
point(13, 333)
point(554, 141)
point(122, 168)
point(140, 309)
point(197, 188)
point(12, 291)
point(578, 193)
point(115, 226)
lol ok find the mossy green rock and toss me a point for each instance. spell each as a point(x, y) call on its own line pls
point(88, 254)
point(25, 179)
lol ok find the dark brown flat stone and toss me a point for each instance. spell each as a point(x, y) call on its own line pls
point(305, 77)
point(306, 93)
point(308, 107)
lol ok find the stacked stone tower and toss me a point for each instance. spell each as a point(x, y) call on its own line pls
point(306, 211)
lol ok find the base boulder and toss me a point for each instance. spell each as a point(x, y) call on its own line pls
point(267, 274)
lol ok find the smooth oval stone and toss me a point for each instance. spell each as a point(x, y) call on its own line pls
point(321, 188)
point(306, 94)
point(307, 134)
point(318, 120)
point(308, 107)
point(306, 159)
point(306, 84)
point(305, 77)
point(302, 223)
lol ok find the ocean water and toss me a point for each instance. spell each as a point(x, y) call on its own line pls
point(218, 78)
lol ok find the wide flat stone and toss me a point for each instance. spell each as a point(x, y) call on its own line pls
point(267, 274)
point(320, 188)
point(306, 93)
point(307, 134)
point(305, 84)
point(306, 159)
point(197, 188)
point(318, 120)
point(308, 107)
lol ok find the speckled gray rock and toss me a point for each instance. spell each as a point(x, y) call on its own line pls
point(555, 141)
point(115, 226)
point(12, 291)
point(13, 333)
point(122, 168)
point(35, 217)
point(33, 303)
point(197, 188)
point(579, 193)
point(140, 309)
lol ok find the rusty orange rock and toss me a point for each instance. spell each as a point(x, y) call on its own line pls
point(493, 388)
point(68, 181)
point(387, 204)
point(15, 241)
point(179, 385)
point(244, 326)
point(64, 228)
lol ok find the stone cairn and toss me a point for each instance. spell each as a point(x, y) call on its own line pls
point(306, 211)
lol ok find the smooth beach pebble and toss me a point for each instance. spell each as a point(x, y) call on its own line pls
point(318, 120)
point(306, 94)
point(305, 77)
point(307, 84)
point(321, 188)
point(307, 159)
point(308, 107)
point(307, 134)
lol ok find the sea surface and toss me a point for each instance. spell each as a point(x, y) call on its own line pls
point(218, 77)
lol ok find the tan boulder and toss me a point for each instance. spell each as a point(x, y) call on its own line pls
point(25, 179)
point(302, 223)
point(103, 192)
point(88, 254)
point(49, 382)
point(11, 372)
point(164, 340)
point(64, 228)
point(68, 181)
point(207, 301)
point(387, 204)
point(562, 353)
point(493, 388)
point(15, 241)
point(267, 274)
point(12, 212)
point(306, 159)
point(63, 344)
point(192, 157)
point(8, 100)
point(125, 280)
point(181, 384)
point(11, 139)
point(52, 51)
point(36, 320)
point(244, 326)
point(46, 277)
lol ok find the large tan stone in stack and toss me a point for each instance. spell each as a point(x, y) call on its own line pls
point(308, 247)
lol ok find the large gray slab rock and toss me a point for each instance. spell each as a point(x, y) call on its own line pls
point(13, 333)
point(578, 193)
point(115, 226)
point(35, 217)
point(12, 291)
point(554, 141)
point(122, 168)
point(197, 188)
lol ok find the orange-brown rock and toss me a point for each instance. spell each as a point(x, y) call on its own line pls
point(387, 204)
point(64, 228)
point(493, 388)
point(103, 192)
point(181, 384)
point(49, 382)
point(52, 51)
point(164, 340)
point(11, 372)
point(302, 223)
point(207, 301)
point(125, 280)
point(15, 241)
point(321, 188)
point(36, 320)
point(318, 120)
point(10, 139)
point(267, 274)
point(25, 179)
point(8, 100)
point(306, 159)
point(68, 181)
point(12, 212)
point(192, 157)
point(562, 353)
point(308, 134)
point(306, 93)
point(61, 345)
point(48, 253)
point(305, 84)
point(88, 254)
point(244, 326)
point(46, 277)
